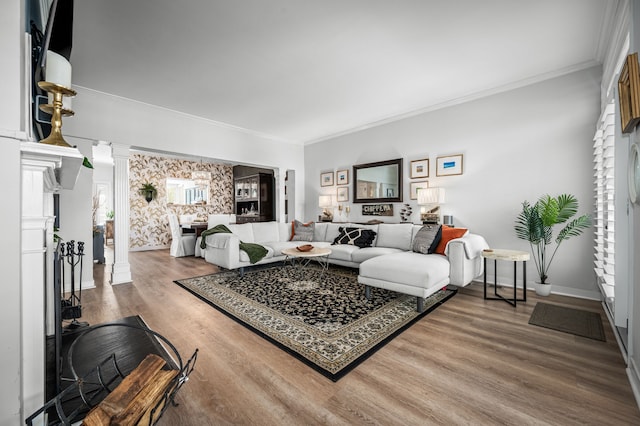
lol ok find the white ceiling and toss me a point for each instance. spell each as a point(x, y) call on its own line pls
point(304, 70)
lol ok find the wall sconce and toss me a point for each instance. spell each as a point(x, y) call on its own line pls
point(430, 199)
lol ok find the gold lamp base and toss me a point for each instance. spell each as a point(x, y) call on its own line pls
point(431, 216)
point(55, 138)
point(57, 112)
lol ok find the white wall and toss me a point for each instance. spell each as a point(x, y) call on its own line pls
point(109, 118)
point(75, 215)
point(10, 251)
point(11, 48)
point(11, 107)
point(103, 172)
point(517, 146)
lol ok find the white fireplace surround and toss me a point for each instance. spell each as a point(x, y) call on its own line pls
point(45, 169)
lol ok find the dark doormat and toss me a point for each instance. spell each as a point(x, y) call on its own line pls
point(569, 320)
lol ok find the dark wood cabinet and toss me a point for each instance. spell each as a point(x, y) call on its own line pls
point(254, 198)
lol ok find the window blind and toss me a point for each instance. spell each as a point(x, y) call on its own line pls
point(604, 191)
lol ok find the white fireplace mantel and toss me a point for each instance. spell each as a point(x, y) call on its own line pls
point(64, 163)
point(45, 169)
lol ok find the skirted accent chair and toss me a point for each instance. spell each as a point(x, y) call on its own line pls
point(181, 244)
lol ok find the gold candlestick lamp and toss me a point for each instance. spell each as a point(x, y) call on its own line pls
point(57, 111)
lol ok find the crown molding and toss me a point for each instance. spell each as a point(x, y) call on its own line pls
point(460, 100)
point(191, 116)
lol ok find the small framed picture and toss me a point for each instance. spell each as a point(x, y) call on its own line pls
point(326, 179)
point(342, 177)
point(414, 187)
point(343, 194)
point(420, 169)
point(449, 165)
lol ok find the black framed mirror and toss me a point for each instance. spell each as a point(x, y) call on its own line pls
point(378, 182)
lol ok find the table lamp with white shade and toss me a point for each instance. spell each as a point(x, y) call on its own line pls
point(430, 199)
point(326, 204)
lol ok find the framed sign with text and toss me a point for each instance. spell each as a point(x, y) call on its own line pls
point(377, 210)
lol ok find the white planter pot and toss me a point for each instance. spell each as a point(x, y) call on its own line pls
point(543, 289)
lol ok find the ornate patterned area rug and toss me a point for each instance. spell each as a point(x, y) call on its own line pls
point(322, 318)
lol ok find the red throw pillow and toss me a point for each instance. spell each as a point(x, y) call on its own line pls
point(449, 234)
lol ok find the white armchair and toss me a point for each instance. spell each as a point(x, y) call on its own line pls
point(181, 244)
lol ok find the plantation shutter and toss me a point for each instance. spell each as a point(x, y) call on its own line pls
point(604, 162)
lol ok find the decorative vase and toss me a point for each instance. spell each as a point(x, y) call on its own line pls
point(543, 289)
point(148, 196)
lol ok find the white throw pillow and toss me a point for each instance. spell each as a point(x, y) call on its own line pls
point(302, 231)
point(394, 235)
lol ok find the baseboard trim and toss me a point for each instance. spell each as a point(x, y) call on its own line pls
point(147, 248)
point(633, 373)
point(88, 285)
point(576, 292)
point(555, 289)
point(121, 273)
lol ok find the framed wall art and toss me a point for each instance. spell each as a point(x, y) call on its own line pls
point(342, 177)
point(629, 94)
point(326, 179)
point(419, 169)
point(343, 194)
point(449, 166)
point(415, 186)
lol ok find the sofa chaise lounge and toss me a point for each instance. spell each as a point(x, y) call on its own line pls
point(388, 263)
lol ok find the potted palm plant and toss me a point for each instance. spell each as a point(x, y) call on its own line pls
point(535, 224)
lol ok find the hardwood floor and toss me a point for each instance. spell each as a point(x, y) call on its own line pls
point(469, 362)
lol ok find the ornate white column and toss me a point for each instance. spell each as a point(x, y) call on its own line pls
point(44, 170)
point(121, 269)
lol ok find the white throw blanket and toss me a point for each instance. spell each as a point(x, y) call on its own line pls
point(218, 241)
point(473, 245)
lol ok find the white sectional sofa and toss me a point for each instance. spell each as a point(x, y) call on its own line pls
point(389, 263)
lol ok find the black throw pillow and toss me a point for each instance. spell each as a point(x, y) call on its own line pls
point(359, 237)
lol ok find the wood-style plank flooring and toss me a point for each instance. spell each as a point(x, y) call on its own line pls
point(470, 362)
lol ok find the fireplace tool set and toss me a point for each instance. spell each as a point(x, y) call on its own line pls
point(71, 308)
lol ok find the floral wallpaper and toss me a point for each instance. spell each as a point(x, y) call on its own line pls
point(149, 226)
